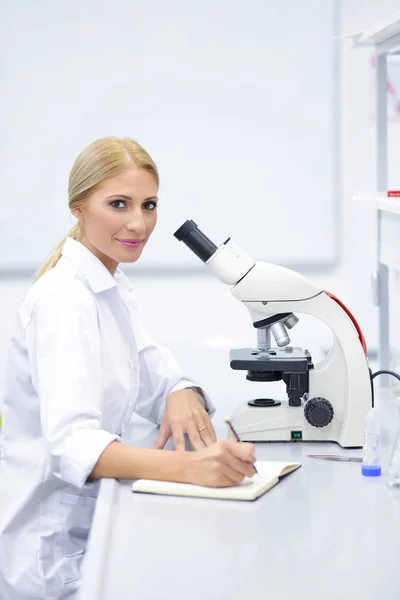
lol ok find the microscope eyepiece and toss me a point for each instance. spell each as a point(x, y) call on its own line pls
point(228, 262)
point(195, 239)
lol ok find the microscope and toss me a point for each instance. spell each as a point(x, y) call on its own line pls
point(326, 401)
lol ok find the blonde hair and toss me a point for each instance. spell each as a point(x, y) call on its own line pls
point(102, 159)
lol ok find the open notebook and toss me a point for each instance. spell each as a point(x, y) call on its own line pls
point(269, 474)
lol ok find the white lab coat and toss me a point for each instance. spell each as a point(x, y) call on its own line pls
point(79, 364)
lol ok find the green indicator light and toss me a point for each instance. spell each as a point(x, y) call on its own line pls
point(296, 435)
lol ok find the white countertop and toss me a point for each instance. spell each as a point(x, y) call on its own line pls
point(324, 531)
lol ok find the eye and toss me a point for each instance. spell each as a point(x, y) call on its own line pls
point(115, 203)
point(151, 205)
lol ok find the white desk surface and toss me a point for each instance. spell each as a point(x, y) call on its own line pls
point(324, 532)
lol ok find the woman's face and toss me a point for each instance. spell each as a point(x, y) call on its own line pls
point(119, 217)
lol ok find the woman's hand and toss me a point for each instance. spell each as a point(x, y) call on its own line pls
point(225, 463)
point(185, 413)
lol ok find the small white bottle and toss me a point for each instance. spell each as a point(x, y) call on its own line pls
point(371, 464)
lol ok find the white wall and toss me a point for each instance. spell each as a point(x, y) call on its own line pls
point(233, 100)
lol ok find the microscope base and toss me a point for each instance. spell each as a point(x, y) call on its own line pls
point(284, 423)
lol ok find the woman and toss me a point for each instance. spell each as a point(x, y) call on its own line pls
point(79, 365)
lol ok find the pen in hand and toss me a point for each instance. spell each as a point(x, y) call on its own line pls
point(232, 433)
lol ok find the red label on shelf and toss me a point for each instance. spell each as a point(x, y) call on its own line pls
point(393, 193)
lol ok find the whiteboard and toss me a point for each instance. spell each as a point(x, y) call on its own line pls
point(236, 101)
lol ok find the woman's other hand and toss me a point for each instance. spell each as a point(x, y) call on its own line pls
point(185, 413)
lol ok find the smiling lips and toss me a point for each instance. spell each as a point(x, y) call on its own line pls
point(131, 243)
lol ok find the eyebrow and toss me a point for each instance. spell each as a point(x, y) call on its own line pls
point(129, 197)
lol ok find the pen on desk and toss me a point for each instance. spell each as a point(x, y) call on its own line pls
point(233, 433)
point(336, 457)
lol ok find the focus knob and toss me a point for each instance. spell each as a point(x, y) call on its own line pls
point(318, 412)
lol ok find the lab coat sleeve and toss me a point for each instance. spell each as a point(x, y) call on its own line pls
point(64, 352)
point(160, 375)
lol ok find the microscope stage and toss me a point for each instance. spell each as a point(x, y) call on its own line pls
point(286, 359)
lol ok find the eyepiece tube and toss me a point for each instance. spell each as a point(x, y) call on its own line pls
point(228, 262)
point(195, 239)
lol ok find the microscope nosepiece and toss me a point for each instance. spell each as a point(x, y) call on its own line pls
point(195, 239)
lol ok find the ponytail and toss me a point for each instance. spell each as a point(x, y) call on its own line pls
point(55, 256)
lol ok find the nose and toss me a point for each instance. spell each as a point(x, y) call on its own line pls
point(136, 223)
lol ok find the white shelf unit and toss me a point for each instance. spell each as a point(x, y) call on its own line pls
point(385, 38)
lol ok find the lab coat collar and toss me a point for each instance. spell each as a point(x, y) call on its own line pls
point(97, 275)
point(122, 279)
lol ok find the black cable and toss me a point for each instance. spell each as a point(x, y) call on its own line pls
point(382, 372)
